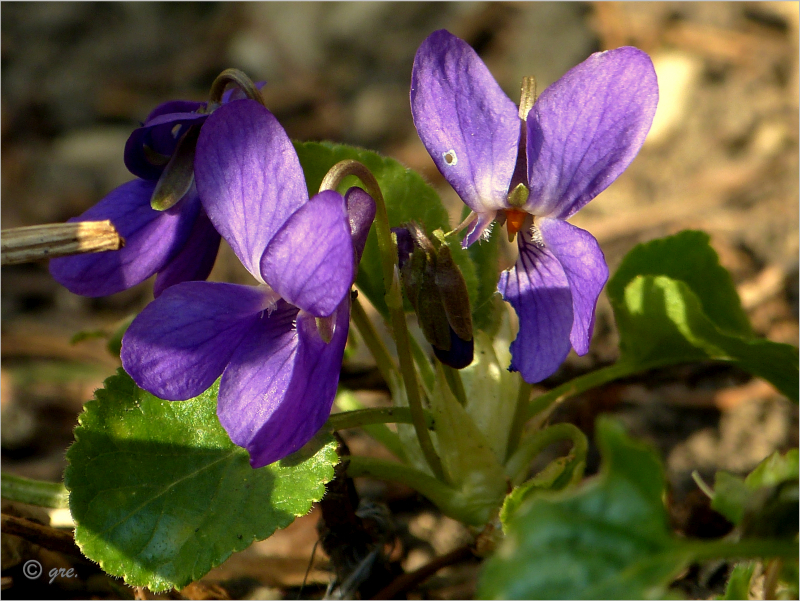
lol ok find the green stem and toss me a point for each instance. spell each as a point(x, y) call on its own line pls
point(423, 364)
point(34, 492)
point(348, 403)
point(383, 359)
point(394, 300)
point(752, 548)
point(365, 417)
point(445, 497)
point(410, 380)
point(520, 417)
point(537, 442)
point(548, 400)
point(456, 385)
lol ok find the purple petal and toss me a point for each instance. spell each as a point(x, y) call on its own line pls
point(174, 106)
point(586, 270)
point(361, 213)
point(278, 390)
point(405, 245)
point(479, 229)
point(248, 176)
point(586, 128)
point(309, 261)
point(180, 344)
point(538, 290)
point(195, 261)
point(468, 125)
point(152, 238)
point(161, 134)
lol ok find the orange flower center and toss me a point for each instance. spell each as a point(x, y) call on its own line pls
point(514, 220)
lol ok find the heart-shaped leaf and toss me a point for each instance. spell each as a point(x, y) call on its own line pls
point(160, 495)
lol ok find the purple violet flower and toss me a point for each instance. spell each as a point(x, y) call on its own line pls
point(268, 342)
point(532, 171)
point(178, 244)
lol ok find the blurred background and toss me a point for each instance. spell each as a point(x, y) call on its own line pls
point(722, 156)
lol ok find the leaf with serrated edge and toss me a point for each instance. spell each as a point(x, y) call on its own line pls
point(160, 495)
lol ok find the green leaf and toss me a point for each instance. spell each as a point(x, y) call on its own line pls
point(765, 503)
point(486, 311)
point(689, 258)
point(466, 454)
point(407, 197)
point(774, 470)
point(738, 586)
point(160, 495)
point(731, 495)
point(674, 303)
point(491, 390)
point(557, 475)
point(610, 539)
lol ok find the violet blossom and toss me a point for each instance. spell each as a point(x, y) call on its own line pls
point(179, 243)
point(532, 169)
point(279, 345)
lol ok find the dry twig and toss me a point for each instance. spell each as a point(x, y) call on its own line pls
point(26, 244)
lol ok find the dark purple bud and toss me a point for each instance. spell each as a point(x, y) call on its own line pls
point(405, 245)
point(436, 289)
point(460, 353)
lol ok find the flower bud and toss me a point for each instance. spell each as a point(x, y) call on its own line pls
point(436, 289)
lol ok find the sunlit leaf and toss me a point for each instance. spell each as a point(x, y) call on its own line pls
point(160, 495)
point(674, 303)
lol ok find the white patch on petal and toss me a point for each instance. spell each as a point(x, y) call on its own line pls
point(271, 299)
point(487, 232)
point(536, 236)
point(450, 157)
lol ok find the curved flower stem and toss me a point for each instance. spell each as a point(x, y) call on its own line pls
point(380, 353)
point(238, 78)
point(394, 300)
point(537, 442)
point(34, 492)
point(520, 417)
point(447, 498)
point(365, 417)
point(548, 400)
